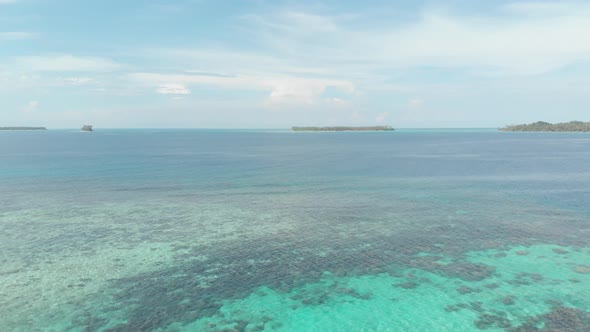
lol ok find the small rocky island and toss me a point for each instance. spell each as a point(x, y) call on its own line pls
point(23, 128)
point(87, 128)
point(573, 126)
point(374, 128)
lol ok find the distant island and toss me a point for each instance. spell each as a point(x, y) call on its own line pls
point(573, 126)
point(23, 128)
point(374, 128)
point(87, 128)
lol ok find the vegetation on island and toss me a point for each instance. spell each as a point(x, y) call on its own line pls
point(573, 126)
point(23, 128)
point(373, 128)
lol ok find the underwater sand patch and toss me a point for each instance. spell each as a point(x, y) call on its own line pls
point(583, 269)
point(560, 251)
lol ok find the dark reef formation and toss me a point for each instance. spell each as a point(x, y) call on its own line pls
point(173, 294)
point(573, 126)
point(191, 288)
point(492, 321)
point(559, 319)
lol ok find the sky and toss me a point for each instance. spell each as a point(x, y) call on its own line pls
point(277, 64)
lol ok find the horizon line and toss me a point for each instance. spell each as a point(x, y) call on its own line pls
point(242, 128)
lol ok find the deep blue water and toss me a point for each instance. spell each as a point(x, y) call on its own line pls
point(172, 229)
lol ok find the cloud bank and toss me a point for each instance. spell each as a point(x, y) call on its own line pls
point(429, 65)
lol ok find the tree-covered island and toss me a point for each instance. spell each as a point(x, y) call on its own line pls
point(573, 126)
point(373, 128)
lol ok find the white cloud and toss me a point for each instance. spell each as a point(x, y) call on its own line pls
point(65, 63)
point(31, 106)
point(519, 43)
point(230, 62)
point(381, 117)
point(16, 35)
point(301, 90)
point(78, 80)
point(336, 101)
point(282, 90)
point(415, 103)
point(173, 89)
point(303, 53)
point(286, 93)
point(542, 8)
point(303, 56)
point(295, 22)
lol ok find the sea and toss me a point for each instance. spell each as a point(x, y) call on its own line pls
point(273, 230)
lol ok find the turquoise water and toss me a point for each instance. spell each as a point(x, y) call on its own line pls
point(224, 230)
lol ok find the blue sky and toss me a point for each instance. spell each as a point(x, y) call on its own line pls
point(274, 64)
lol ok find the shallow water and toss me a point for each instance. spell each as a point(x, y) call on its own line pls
point(200, 230)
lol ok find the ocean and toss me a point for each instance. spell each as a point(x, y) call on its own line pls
point(270, 230)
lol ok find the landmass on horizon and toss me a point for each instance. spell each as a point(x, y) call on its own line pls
point(539, 126)
point(23, 128)
point(573, 126)
point(370, 128)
